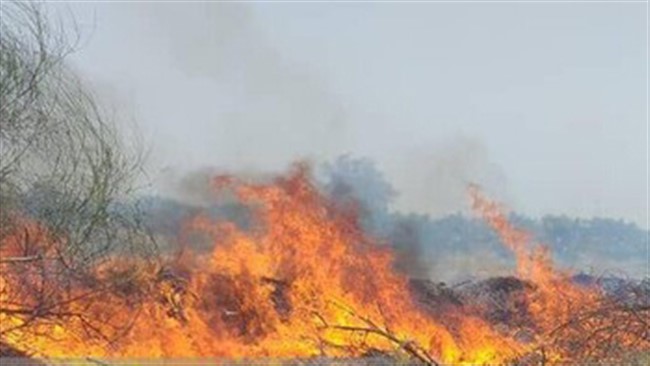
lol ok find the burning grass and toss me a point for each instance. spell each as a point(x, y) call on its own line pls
point(306, 281)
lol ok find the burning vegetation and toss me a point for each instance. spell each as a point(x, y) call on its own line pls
point(80, 276)
point(306, 281)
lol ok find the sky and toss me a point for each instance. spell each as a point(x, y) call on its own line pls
point(543, 104)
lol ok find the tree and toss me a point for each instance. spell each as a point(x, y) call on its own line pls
point(64, 175)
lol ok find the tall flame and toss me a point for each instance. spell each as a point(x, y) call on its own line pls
point(305, 281)
point(570, 318)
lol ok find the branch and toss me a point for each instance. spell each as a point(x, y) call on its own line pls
point(410, 347)
point(31, 258)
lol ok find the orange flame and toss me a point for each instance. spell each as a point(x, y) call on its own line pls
point(305, 281)
point(558, 303)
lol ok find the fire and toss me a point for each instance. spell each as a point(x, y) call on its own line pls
point(305, 281)
point(558, 303)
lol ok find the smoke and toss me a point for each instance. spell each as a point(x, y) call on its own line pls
point(433, 179)
point(265, 110)
point(402, 202)
point(359, 183)
point(450, 248)
point(350, 183)
point(255, 110)
point(195, 187)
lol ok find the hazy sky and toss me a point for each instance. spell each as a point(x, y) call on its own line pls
point(544, 104)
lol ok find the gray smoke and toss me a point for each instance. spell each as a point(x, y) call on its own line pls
point(267, 111)
point(434, 179)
